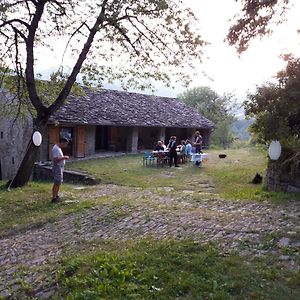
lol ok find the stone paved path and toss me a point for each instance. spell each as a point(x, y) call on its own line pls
point(30, 258)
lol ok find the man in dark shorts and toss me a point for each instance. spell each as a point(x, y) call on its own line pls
point(59, 160)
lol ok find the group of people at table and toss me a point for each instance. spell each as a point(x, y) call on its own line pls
point(174, 152)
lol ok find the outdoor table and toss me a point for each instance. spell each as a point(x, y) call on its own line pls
point(196, 157)
point(199, 157)
point(162, 157)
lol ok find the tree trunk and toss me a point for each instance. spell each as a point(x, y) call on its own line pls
point(26, 167)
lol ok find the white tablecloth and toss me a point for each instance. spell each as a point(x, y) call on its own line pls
point(199, 157)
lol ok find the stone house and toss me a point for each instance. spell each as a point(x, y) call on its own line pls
point(111, 120)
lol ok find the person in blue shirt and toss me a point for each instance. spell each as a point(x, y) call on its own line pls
point(188, 149)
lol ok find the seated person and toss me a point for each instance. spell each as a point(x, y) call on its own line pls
point(182, 149)
point(163, 144)
point(188, 148)
point(159, 146)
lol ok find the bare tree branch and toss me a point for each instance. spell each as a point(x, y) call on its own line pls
point(30, 79)
point(82, 56)
point(127, 38)
point(71, 37)
point(9, 22)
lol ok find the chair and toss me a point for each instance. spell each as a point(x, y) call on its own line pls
point(161, 159)
point(148, 158)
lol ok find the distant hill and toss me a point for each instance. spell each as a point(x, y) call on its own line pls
point(240, 129)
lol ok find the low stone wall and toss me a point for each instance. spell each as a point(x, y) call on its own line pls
point(284, 174)
point(44, 172)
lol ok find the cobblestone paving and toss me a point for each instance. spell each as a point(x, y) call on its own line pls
point(30, 258)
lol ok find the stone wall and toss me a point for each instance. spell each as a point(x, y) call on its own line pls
point(14, 138)
point(284, 174)
point(43, 172)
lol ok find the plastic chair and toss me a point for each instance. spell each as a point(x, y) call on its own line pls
point(148, 158)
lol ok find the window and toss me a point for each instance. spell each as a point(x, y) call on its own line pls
point(1, 134)
point(13, 160)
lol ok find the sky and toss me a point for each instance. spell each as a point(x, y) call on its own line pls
point(259, 64)
point(226, 71)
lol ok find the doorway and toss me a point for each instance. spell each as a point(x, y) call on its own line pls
point(101, 138)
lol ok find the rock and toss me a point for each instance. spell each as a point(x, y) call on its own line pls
point(293, 189)
point(166, 188)
point(71, 201)
point(188, 192)
point(283, 242)
point(79, 188)
point(284, 257)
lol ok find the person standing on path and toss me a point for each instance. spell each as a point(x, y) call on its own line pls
point(59, 160)
point(172, 151)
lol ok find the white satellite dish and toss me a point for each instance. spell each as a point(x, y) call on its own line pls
point(37, 138)
point(274, 150)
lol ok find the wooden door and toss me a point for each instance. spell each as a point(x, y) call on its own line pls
point(81, 141)
point(53, 138)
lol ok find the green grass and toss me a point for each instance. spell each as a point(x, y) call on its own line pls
point(156, 269)
point(129, 171)
point(31, 205)
point(231, 176)
point(173, 270)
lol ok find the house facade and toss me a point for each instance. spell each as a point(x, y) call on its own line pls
point(105, 120)
point(111, 120)
point(14, 135)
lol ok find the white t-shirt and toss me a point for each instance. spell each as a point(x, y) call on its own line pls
point(57, 153)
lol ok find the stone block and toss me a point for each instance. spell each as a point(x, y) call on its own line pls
point(44, 173)
point(293, 189)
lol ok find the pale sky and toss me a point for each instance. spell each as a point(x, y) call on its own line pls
point(230, 73)
point(258, 64)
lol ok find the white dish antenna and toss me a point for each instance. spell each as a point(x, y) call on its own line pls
point(37, 138)
point(274, 150)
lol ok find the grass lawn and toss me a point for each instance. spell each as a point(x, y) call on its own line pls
point(31, 206)
point(153, 269)
point(231, 176)
point(173, 270)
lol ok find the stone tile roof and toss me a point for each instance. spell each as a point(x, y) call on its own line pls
point(119, 108)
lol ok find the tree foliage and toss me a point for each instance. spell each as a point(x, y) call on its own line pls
point(255, 19)
point(276, 106)
point(110, 39)
point(128, 40)
point(219, 109)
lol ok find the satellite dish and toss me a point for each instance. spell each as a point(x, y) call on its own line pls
point(37, 138)
point(274, 150)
